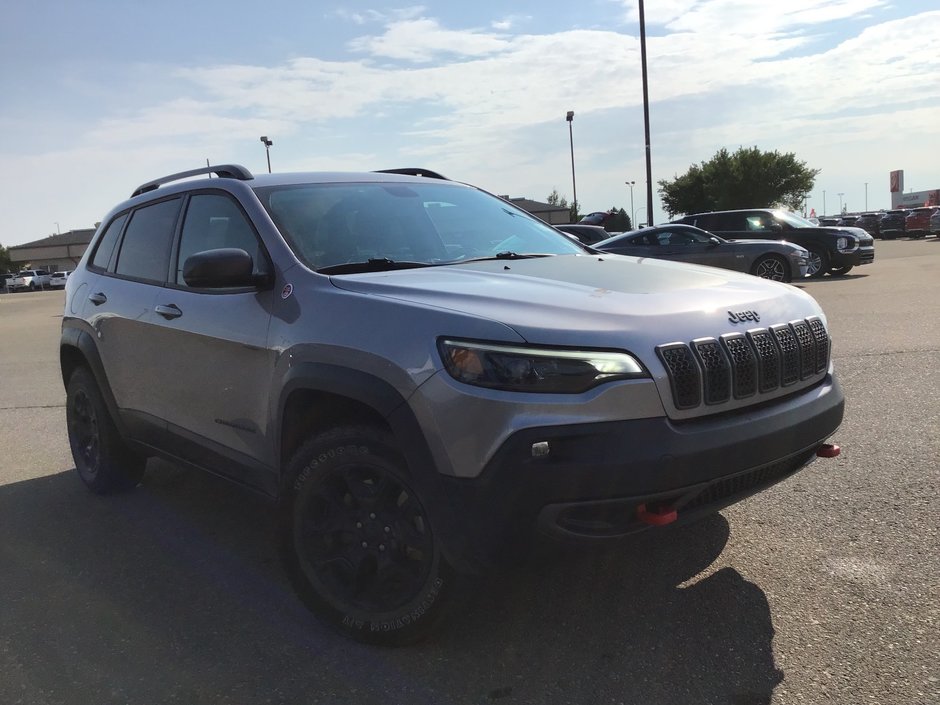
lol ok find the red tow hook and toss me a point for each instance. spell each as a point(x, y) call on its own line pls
point(656, 516)
point(828, 450)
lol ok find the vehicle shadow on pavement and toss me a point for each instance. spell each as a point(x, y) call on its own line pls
point(173, 593)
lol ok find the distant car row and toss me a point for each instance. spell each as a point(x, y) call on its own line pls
point(888, 225)
point(768, 243)
point(33, 280)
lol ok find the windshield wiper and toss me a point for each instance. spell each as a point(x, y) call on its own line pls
point(373, 264)
point(504, 255)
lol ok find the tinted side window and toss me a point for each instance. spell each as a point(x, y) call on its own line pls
point(105, 249)
point(214, 221)
point(145, 248)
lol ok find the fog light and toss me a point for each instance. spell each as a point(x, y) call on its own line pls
point(540, 449)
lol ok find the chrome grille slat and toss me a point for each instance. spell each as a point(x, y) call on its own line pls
point(741, 365)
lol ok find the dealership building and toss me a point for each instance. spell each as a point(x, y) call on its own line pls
point(56, 253)
point(914, 199)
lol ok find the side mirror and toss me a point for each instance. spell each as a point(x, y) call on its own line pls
point(219, 269)
point(713, 241)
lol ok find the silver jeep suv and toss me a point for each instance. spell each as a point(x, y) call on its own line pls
point(424, 376)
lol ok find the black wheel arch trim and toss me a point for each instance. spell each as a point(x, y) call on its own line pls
point(76, 336)
point(385, 400)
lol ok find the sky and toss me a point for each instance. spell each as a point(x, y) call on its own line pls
point(97, 97)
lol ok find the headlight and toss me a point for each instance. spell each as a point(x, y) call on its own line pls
point(538, 370)
point(845, 243)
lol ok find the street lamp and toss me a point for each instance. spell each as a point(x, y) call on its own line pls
point(824, 202)
point(646, 113)
point(574, 187)
point(267, 149)
point(58, 232)
point(641, 208)
point(840, 195)
point(632, 214)
point(866, 195)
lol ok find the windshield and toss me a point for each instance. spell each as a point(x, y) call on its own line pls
point(328, 225)
point(793, 220)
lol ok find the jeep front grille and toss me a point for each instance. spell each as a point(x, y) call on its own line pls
point(737, 365)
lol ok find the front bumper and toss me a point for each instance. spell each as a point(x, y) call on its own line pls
point(596, 476)
point(860, 256)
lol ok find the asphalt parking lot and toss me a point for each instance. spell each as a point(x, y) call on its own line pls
point(825, 588)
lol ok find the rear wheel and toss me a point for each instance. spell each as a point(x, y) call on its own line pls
point(818, 262)
point(104, 463)
point(771, 267)
point(358, 542)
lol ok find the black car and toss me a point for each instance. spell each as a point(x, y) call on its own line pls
point(870, 223)
point(833, 250)
point(894, 224)
point(768, 259)
point(586, 234)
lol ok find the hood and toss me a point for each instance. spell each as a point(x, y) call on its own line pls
point(593, 299)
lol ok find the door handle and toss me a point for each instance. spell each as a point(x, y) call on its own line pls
point(98, 298)
point(169, 311)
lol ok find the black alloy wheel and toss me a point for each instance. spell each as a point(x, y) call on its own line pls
point(103, 461)
point(359, 545)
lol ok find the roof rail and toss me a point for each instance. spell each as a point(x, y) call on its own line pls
point(413, 171)
point(223, 171)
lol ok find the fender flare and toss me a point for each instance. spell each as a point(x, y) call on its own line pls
point(76, 337)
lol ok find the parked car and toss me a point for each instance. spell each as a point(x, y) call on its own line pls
point(423, 376)
point(31, 279)
point(6, 282)
point(832, 250)
point(57, 279)
point(869, 222)
point(586, 234)
point(847, 220)
point(893, 224)
point(770, 259)
point(917, 221)
point(827, 221)
point(934, 225)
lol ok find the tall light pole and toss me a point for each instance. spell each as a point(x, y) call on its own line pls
point(267, 149)
point(824, 202)
point(866, 195)
point(57, 231)
point(646, 115)
point(574, 186)
point(632, 212)
point(840, 201)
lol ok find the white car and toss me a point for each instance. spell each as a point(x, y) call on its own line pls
point(31, 279)
point(57, 280)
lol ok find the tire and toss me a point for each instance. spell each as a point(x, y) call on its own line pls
point(357, 542)
point(771, 267)
point(104, 463)
point(32, 286)
point(841, 271)
point(818, 263)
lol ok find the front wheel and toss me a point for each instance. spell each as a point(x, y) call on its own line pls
point(104, 463)
point(359, 545)
point(771, 267)
point(818, 262)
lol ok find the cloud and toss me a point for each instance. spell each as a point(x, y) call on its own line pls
point(424, 40)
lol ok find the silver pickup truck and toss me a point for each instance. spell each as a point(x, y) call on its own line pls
point(31, 279)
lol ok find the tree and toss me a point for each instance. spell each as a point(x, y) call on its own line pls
point(556, 199)
point(6, 264)
point(619, 221)
point(749, 178)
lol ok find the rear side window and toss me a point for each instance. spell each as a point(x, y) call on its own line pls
point(106, 246)
point(145, 249)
